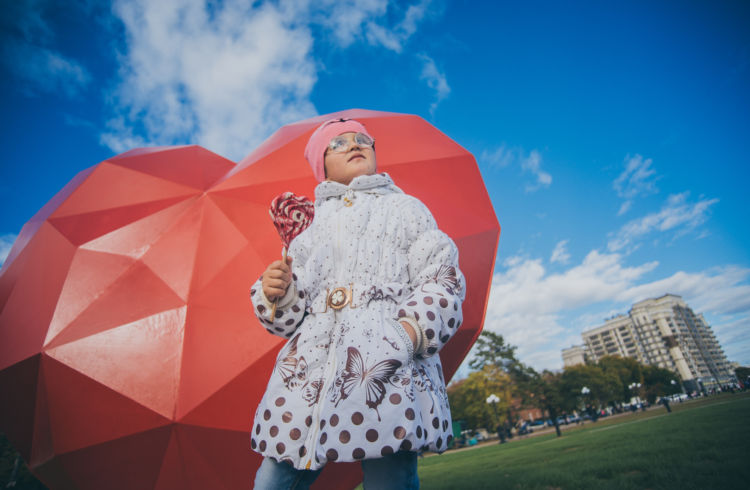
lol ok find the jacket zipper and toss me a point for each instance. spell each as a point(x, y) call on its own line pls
point(331, 368)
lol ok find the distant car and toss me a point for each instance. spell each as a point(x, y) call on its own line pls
point(537, 423)
point(524, 429)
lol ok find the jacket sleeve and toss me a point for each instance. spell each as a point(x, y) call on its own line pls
point(291, 308)
point(436, 284)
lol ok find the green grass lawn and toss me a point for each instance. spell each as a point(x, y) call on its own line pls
point(700, 445)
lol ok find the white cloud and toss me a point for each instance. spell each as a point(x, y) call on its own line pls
point(435, 79)
point(504, 156)
point(379, 23)
point(350, 20)
point(597, 278)
point(532, 163)
point(560, 253)
point(589, 318)
point(395, 37)
point(26, 51)
point(6, 243)
point(224, 78)
point(513, 261)
point(637, 179)
point(529, 306)
point(225, 75)
point(706, 289)
point(625, 207)
point(500, 157)
point(677, 215)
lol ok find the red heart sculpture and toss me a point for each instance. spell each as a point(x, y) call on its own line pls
point(130, 357)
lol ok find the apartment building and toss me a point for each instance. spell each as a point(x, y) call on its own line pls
point(662, 332)
point(574, 355)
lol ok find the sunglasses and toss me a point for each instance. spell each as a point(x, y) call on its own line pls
point(341, 143)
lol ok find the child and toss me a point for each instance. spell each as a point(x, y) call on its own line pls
point(369, 294)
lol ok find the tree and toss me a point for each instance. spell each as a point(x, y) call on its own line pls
point(658, 382)
point(626, 369)
point(526, 386)
point(603, 387)
point(468, 398)
point(491, 350)
point(549, 393)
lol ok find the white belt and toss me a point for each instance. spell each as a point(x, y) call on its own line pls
point(339, 297)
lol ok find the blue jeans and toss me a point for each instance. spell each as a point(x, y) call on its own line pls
point(396, 471)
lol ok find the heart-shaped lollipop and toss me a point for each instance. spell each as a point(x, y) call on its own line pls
point(291, 214)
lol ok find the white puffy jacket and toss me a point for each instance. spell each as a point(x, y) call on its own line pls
point(348, 385)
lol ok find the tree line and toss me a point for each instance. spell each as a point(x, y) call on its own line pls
point(497, 371)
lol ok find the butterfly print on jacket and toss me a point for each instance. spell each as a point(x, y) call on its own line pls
point(423, 382)
point(299, 379)
point(311, 392)
point(445, 276)
point(376, 294)
point(373, 379)
point(403, 382)
point(292, 370)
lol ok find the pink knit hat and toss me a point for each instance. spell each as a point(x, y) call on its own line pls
point(316, 147)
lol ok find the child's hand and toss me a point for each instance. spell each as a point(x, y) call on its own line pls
point(276, 279)
point(410, 331)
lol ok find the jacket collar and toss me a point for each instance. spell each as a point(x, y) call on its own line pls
point(370, 184)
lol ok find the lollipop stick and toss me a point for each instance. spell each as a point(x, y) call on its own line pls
point(276, 301)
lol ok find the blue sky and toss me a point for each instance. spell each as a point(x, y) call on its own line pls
point(613, 140)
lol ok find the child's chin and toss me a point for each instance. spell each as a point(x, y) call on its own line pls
point(354, 175)
point(365, 172)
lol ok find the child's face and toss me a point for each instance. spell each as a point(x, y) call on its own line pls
point(357, 160)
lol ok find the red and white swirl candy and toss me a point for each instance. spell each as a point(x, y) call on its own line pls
point(291, 215)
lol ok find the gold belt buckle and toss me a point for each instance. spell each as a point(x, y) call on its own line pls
point(339, 298)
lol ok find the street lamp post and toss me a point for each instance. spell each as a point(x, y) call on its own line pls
point(665, 399)
point(636, 387)
point(586, 407)
point(493, 401)
point(593, 413)
point(674, 384)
